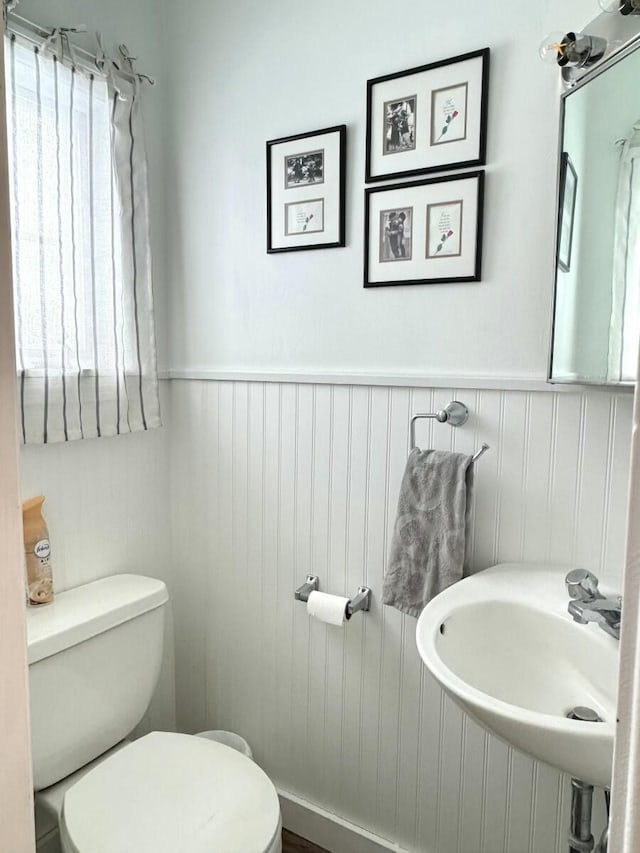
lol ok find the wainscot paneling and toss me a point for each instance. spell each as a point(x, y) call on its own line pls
point(270, 481)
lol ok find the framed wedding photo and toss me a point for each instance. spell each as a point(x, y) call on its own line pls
point(428, 119)
point(424, 232)
point(306, 177)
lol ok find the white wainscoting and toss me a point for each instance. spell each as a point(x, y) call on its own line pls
point(271, 481)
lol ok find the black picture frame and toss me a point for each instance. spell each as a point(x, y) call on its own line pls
point(442, 192)
point(568, 193)
point(307, 170)
point(420, 92)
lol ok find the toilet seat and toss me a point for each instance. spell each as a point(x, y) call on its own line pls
point(172, 793)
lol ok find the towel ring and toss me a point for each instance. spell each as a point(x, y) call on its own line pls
point(455, 414)
point(480, 452)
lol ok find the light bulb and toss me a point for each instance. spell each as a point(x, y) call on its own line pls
point(611, 6)
point(576, 50)
point(552, 47)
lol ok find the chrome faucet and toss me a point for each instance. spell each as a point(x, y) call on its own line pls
point(588, 604)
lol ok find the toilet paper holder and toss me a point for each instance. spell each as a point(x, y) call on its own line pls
point(303, 592)
point(361, 601)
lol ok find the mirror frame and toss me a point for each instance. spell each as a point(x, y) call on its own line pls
point(607, 62)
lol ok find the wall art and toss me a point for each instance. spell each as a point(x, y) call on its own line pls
point(305, 190)
point(424, 232)
point(428, 119)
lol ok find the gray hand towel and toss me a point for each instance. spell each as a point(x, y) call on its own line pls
point(428, 545)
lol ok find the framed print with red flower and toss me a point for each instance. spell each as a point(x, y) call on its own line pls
point(306, 179)
point(424, 232)
point(428, 119)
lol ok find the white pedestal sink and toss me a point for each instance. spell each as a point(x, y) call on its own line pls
point(503, 646)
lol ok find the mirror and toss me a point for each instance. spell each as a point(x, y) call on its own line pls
point(597, 289)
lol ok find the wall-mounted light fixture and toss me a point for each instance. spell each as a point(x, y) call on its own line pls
point(625, 7)
point(573, 50)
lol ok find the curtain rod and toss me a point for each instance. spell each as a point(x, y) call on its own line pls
point(36, 35)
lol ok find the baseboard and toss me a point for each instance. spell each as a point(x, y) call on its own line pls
point(328, 830)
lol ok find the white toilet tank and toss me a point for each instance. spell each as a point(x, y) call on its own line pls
point(94, 662)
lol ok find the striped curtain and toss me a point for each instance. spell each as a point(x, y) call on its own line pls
point(624, 329)
point(82, 270)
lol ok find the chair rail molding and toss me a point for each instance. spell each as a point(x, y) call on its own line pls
point(387, 380)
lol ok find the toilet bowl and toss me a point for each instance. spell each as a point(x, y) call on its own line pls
point(94, 660)
point(169, 792)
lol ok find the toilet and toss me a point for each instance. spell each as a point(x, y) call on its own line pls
point(94, 662)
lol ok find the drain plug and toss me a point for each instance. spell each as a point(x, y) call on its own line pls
point(580, 837)
point(585, 715)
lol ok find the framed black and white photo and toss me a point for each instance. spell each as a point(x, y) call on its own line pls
point(302, 170)
point(424, 232)
point(567, 208)
point(428, 119)
point(396, 235)
point(305, 190)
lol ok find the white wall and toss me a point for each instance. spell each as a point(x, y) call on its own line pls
point(245, 72)
point(271, 481)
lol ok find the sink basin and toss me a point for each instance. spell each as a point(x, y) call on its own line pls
point(503, 646)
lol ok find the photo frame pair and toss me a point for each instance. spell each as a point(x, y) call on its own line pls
point(424, 232)
point(427, 119)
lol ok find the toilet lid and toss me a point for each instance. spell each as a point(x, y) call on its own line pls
point(171, 793)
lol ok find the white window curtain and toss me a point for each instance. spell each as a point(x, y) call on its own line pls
point(624, 329)
point(82, 269)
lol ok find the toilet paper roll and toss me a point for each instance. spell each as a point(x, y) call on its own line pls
point(331, 609)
